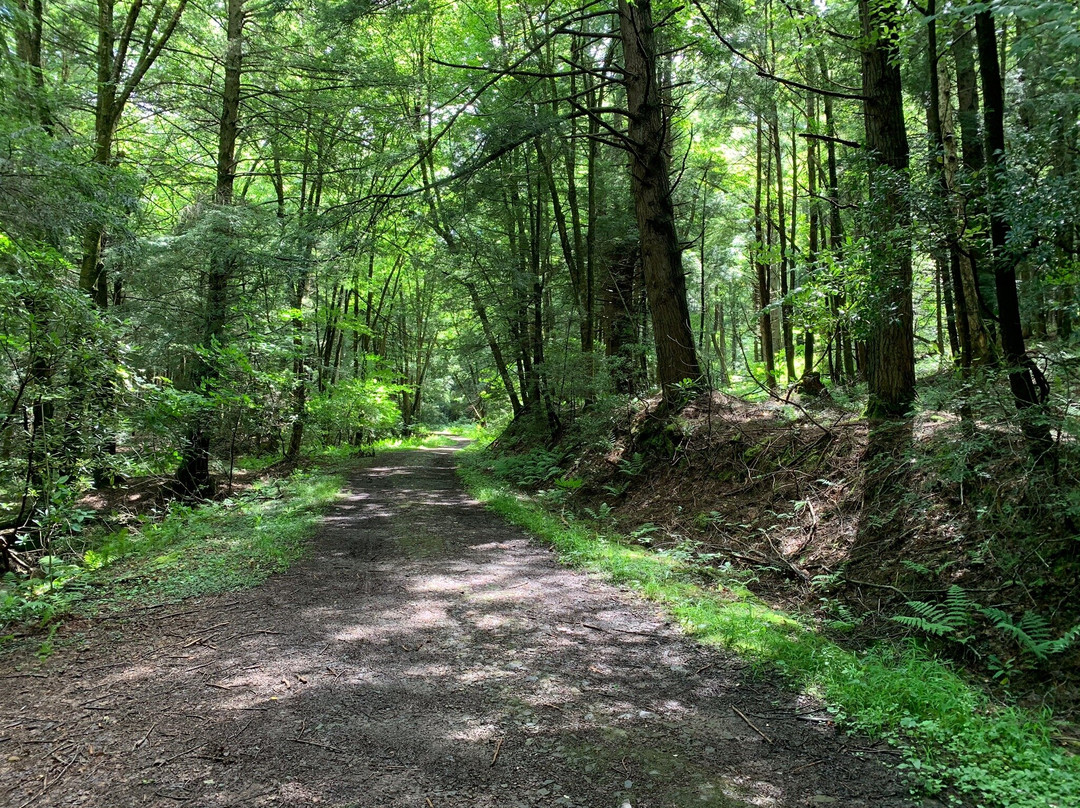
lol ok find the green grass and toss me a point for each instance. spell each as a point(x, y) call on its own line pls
point(193, 551)
point(953, 739)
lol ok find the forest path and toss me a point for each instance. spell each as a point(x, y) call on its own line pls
point(426, 654)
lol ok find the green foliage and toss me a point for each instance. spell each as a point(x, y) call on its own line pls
point(954, 619)
point(950, 618)
point(1033, 633)
point(193, 551)
point(356, 407)
point(528, 469)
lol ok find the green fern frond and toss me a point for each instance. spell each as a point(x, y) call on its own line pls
point(940, 619)
point(1033, 633)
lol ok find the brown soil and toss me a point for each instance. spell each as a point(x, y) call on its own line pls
point(425, 655)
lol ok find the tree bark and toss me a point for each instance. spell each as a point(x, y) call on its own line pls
point(761, 266)
point(977, 283)
point(193, 476)
point(661, 253)
point(112, 93)
point(1029, 388)
point(890, 349)
point(813, 223)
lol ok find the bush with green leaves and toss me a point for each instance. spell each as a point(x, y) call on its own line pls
point(355, 407)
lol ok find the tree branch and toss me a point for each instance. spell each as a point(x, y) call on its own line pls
point(830, 139)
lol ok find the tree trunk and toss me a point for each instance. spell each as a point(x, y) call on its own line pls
point(661, 253)
point(114, 53)
point(787, 334)
point(890, 349)
point(1029, 388)
point(842, 365)
point(978, 284)
point(28, 48)
point(193, 476)
point(761, 266)
point(813, 222)
point(620, 320)
point(945, 244)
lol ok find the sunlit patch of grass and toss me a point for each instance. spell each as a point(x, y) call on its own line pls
point(431, 440)
point(204, 550)
point(223, 546)
point(953, 740)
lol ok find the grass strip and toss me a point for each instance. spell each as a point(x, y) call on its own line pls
point(954, 741)
point(193, 551)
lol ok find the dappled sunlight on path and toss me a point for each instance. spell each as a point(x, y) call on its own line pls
point(424, 655)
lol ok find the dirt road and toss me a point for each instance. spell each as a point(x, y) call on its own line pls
point(424, 655)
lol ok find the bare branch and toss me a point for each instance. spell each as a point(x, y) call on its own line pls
point(830, 139)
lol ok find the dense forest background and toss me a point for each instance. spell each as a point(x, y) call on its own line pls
point(262, 228)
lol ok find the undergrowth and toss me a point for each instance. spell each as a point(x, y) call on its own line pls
point(954, 740)
point(193, 551)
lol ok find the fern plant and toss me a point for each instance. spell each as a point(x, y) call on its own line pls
point(1033, 633)
point(949, 618)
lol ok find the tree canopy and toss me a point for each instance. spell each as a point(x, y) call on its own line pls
point(253, 226)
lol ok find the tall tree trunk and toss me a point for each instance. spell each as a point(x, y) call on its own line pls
point(761, 266)
point(114, 54)
point(843, 364)
point(1029, 387)
point(193, 476)
point(620, 319)
point(719, 340)
point(890, 349)
point(786, 331)
point(977, 282)
point(813, 248)
point(945, 244)
point(28, 32)
point(661, 252)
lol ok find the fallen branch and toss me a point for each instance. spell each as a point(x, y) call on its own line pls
point(750, 724)
point(185, 752)
point(320, 745)
point(620, 630)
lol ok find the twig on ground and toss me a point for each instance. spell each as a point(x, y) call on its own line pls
point(180, 755)
point(619, 630)
point(877, 751)
point(144, 738)
point(750, 724)
point(498, 748)
point(320, 745)
point(176, 797)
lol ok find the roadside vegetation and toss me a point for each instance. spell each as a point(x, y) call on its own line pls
point(111, 560)
point(924, 648)
point(181, 552)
